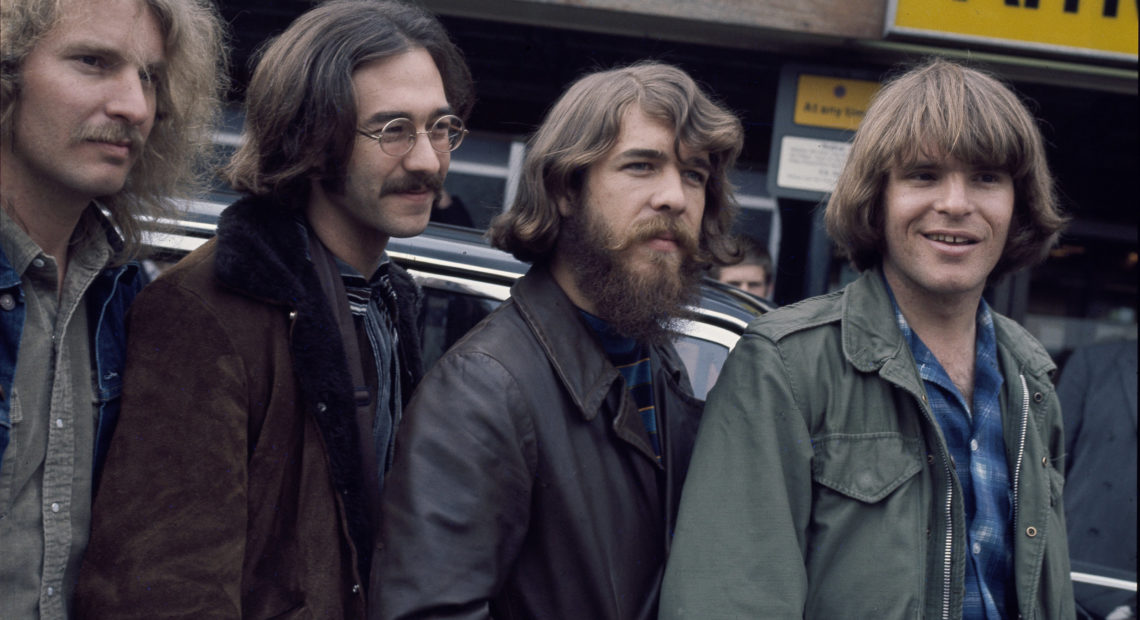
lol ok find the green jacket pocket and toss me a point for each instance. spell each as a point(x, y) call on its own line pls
point(868, 466)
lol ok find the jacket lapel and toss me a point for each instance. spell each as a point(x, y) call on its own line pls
point(262, 254)
point(578, 359)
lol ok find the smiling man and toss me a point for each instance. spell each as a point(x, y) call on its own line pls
point(268, 370)
point(894, 449)
point(106, 106)
point(539, 470)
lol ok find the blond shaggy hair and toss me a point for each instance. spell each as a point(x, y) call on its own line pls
point(178, 151)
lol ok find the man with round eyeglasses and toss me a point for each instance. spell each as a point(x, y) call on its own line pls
point(271, 366)
point(398, 136)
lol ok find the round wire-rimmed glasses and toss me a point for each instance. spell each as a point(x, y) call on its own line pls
point(398, 136)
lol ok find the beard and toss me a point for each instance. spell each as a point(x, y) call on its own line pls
point(642, 293)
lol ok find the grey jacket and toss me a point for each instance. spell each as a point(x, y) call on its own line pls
point(821, 486)
point(1098, 395)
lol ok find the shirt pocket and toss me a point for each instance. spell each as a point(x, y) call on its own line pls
point(867, 466)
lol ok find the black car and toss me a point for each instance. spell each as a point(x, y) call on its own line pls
point(464, 279)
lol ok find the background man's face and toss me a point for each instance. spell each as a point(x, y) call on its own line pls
point(750, 278)
point(946, 226)
point(87, 99)
point(386, 196)
point(631, 239)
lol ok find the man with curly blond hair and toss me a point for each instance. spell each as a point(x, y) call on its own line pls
point(107, 106)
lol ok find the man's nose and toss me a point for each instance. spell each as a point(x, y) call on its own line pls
point(670, 194)
point(423, 158)
point(132, 98)
point(955, 196)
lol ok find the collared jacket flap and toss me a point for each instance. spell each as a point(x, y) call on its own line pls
point(867, 467)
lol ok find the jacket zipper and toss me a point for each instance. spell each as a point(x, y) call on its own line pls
point(1016, 487)
point(1020, 445)
point(1020, 456)
point(949, 549)
point(949, 543)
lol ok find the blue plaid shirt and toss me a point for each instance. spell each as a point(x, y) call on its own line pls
point(974, 438)
point(631, 358)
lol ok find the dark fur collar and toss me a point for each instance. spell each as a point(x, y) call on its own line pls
point(261, 253)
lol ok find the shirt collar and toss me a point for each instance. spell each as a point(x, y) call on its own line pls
point(987, 374)
point(93, 252)
point(612, 342)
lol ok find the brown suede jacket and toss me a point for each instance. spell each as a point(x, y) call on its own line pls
point(233, 487)
point(524, 485)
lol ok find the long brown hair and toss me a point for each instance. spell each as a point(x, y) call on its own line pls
point(301, 106)
point(956, 111)
point(586, 122)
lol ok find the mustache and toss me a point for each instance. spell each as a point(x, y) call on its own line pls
point(659, 227)
point(109, 132)
point(414, 182)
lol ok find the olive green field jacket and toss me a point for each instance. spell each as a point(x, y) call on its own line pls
point(821, 485)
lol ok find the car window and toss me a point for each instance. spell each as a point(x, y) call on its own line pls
point(703, 359)
point(449, 311)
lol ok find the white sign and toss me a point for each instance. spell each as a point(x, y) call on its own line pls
point(810, 164)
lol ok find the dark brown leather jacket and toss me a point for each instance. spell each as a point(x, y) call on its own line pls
point(233, 487)
point(524, 484)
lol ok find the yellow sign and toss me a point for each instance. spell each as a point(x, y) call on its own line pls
point(835, 103)
point(1105, 28)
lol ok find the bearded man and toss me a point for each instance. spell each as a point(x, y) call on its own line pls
point(539, 471)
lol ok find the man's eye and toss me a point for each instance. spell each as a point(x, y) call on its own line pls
point(396, 132)
point(696, 176)
point(89, 60)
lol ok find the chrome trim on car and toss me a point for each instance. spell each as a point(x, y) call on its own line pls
point(1108, 582)
point(411, 262)
point(724, 337)
point(498, 292)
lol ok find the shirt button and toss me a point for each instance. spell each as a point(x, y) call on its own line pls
point(59, 423)
point(977, 548)
point(51, 591)
point(38, 263)
point(973, 445)
point(7, 302)
point(55, 507)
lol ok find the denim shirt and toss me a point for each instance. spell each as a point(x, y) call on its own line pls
point(107, 301)
point(974, 437)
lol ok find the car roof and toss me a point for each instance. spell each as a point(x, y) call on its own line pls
point(444, 250)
